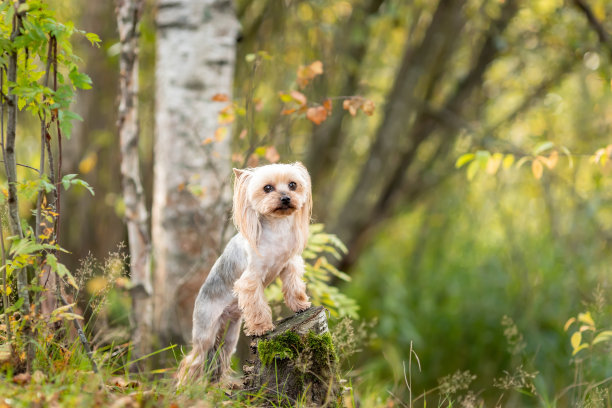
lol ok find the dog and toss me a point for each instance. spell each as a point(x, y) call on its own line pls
point(272, 207)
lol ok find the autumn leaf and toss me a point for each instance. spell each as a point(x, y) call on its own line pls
point(368, 107)
point(220, 97)
point(355, 103)
point(298, 97)
point(351, 106)
point(550, 161)
point(327, 104)
point(220, 134)
point(288, 111)
point(537, 169)
point(307, 73)
point(317, 115)
point(226, 115)
point(88, 163)
point(272, 154)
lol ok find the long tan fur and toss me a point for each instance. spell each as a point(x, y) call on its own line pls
point(244, 216)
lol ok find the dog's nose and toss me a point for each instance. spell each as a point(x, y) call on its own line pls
point(285, 199)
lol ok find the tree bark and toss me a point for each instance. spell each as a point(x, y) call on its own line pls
point(196, 42)
point(136, 214)
point(420, 68)
point(10, 161)
point(295, 362)
point(395, 147)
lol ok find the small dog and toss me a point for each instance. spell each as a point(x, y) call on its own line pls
point(272, 208)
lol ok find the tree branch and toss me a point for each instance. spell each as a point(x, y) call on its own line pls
point(602, 34)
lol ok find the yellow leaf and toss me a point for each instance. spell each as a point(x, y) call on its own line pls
point(537, 169)
point(508, 161)
point(586, 318)
point(463, 159)
point(493, 163)
point(208, 140)
point(96, 285)
point(220, 134)
point(569, 323)
point(88, 163)
point(226, 115)
point(575, 340)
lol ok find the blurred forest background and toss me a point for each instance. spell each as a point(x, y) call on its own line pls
point(475, 270)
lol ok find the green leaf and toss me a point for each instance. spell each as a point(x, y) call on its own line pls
point(542, 147)
point(94, 39)
point(61, 270)
point(71, 179)
point(464, 159)
point(482, 157)
point(472, 170)
point(567, 152)
point(605, 335)
point(79, 79)
point(66, 117)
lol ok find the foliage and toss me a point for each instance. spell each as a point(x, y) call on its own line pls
point(37, 53)
point(319, 272)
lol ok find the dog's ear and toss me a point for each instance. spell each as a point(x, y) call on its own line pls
point(244, 216)
point(305, 214)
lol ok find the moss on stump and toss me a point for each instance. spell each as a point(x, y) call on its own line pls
point(296, 362)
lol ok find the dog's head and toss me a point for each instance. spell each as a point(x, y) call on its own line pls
point(272, 191)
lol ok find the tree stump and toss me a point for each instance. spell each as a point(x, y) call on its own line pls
point(296, 362)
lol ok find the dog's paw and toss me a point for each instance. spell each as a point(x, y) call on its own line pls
point(298, 305)
point(258, 329)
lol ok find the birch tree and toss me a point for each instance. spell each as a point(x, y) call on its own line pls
point(136, 214)
point(196, 43)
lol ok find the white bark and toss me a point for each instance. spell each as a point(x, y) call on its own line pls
point(196, 42)
point(136, 215)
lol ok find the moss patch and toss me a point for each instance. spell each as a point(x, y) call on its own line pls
point(289, 345)
point(285, 346)
point(321, 349)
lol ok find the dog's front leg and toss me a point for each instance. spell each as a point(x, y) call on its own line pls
point(294, 288)
point(252, 302)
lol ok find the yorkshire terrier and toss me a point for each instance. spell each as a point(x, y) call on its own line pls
point(272, 208)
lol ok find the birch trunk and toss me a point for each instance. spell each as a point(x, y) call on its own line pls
point(136, 214)
point(196, 43)
point(10, 161)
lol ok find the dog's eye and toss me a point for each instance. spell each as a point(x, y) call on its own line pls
point(268, 188)
point(292, 186)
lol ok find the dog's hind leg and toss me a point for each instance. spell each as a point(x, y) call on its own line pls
point(230, 336)
point(208, 321)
